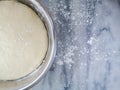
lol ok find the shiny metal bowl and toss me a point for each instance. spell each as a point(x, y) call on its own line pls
point(31, 79)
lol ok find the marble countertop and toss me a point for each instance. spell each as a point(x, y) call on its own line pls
point(88, 45)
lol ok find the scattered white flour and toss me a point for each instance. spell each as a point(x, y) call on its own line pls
point(91, 40)
point(60, 62)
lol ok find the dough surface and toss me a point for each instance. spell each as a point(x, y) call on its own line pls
point(23, 40)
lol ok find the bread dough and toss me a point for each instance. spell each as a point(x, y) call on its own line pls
point(23, 40)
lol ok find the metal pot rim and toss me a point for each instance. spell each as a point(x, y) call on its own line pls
point(33, 78)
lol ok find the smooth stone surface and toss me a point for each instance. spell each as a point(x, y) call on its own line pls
point(88, 45)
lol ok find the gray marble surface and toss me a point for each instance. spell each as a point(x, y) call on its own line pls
point(88, 45)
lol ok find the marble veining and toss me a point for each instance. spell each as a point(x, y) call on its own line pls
point(88, 45)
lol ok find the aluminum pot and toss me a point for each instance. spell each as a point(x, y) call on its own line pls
point(33, 78)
